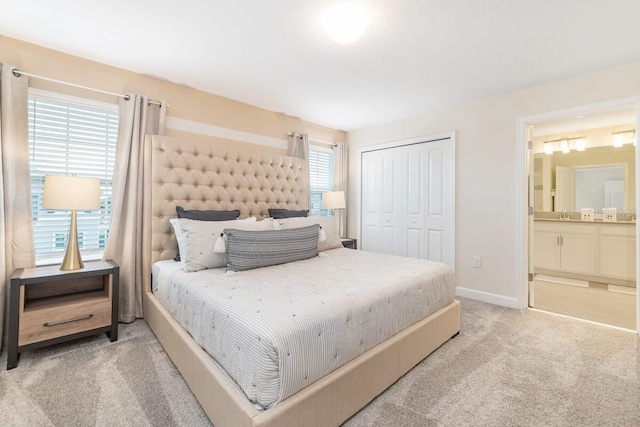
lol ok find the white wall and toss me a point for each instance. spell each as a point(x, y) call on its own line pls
point(486, 169)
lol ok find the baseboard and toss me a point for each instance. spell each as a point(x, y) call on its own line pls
point(487, 297)
point(556, 280)
point(621, 289)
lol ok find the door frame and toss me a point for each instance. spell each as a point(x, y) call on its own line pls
point(451, 137)
point(522, 217)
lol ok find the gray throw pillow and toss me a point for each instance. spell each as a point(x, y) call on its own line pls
point(254, 249)
point(207, 215)
point(287, 213)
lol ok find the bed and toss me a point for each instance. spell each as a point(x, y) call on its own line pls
point(199, 175)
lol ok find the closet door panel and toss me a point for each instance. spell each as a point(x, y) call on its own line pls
point(393, 202)
point(415, 162)
point(435, 167)
point(415, 243)
point(389, 240)
point(370, 238)
point(371, 202)
point(415, 191)
point(436, 246)
point(439, 206)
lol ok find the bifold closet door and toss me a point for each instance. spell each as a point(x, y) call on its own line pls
point(407, 205)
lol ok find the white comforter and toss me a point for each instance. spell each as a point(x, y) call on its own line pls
point(275, 330)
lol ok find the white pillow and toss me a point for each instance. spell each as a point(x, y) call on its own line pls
point(196, 240)
point(177, 231)
point(328, 224)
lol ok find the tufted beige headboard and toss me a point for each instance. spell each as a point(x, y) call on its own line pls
point(203, 175)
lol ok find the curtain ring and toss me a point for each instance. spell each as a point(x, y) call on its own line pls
point(16, 72)
point(127, 97)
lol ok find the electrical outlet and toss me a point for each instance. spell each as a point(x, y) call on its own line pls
point(477, 262)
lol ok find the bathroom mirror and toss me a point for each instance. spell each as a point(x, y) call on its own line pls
point(599, 187)
point(596, 178)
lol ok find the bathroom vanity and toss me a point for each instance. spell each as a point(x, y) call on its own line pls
point(595, 251)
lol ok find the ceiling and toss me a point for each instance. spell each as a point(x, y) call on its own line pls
point(415, 57)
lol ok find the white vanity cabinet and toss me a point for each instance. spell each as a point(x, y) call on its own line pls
point(547, 248)
point(617, 251)
point(598, 250)
point(565, 246)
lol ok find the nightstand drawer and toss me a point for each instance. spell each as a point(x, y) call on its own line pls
point(44, 324)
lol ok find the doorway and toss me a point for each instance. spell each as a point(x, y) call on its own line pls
point(582, 246)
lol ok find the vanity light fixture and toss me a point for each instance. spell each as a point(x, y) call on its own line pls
point(618, 137)
point(565, 144)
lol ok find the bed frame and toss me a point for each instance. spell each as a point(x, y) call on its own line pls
point(200, 175)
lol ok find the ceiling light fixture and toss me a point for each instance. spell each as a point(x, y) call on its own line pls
point(345, 22)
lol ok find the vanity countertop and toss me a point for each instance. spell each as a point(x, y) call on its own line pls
point(596, 221)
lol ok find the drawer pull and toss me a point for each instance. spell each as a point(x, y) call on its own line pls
point(62, 322)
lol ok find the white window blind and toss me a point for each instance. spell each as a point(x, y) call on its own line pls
point(66, 138)
point(320, 178)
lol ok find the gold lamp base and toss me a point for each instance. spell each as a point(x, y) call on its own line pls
point(72, 259)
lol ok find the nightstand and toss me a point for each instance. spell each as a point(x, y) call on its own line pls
point(48, 306)
point(349, 243)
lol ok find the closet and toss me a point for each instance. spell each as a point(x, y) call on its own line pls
point(407, 200)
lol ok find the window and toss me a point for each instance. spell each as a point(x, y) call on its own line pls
point(320, 177)
point(70, 137)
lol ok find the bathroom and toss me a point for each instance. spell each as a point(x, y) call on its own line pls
point(584, 226)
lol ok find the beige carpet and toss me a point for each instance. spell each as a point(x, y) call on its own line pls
point(506, 368)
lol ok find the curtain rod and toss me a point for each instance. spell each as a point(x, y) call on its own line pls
point(16, 72)
point(333, 144)
point(297, 135)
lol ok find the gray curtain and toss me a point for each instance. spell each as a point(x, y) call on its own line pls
point(138, 118)
point(298, 146)
point(340, 177)
point(16, 223)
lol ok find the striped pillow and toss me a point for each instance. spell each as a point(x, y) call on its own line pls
point(254, 249)
point(198, 239)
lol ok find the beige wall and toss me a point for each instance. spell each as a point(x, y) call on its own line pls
point(486, 168)
point(185, 103)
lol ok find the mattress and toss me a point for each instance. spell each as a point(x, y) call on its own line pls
point(277, 329)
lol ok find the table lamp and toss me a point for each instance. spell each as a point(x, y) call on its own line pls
point(333, 200)
point(71, 193)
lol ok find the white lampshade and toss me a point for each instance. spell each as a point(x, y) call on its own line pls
point(71, 193)
point(333, 200)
